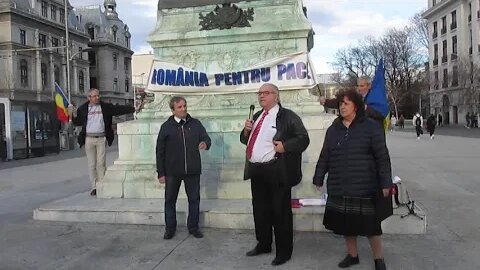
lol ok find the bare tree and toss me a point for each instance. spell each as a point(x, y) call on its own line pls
point(420, 29)
point(466, 75)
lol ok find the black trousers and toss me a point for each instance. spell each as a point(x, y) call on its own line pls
point(271, 198)
point(192, 188)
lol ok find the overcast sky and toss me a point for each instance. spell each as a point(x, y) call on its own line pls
point(337, 23)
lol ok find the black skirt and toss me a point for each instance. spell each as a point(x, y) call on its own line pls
point(351, 216)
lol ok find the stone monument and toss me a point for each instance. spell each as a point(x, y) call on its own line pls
point(217, 36)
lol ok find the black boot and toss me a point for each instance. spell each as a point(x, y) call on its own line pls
point(349, 261)
point(380, 264)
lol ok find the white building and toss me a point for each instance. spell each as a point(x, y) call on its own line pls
point(454, 49)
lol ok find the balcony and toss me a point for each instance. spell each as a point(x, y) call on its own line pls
point(455, 82)
point(453, 26)
point(445, 84)
point(453, 56)
point(443, 31)
point(435, 62)
point(444, 59)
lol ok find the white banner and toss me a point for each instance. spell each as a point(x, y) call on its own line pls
point(293, 71)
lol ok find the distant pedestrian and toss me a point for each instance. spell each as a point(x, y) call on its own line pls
point(468, 120)
point(431, 122)
point(401, 121)
point(440, 120)
point(474, 120)
point(393, 123)
point(417, 122)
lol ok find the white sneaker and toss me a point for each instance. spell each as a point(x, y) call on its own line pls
point(418, 138)
point(431, 137)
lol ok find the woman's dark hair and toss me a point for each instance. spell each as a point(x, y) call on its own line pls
point(354, 97)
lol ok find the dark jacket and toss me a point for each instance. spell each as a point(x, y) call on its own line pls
point(177, 147)
point(108, 110)
point(355, 158)
point(333, 103)
point(431, 122)
point(294, 136)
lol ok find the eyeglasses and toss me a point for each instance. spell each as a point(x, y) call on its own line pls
point(93, 95)
point(265, 93)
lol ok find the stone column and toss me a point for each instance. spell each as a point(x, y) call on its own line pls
point(51, 69)
point(38, 75)
point(74, 78)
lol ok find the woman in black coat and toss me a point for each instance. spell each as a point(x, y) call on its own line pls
point(357, 161)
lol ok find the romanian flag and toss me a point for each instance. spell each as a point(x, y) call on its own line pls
point(62, 104)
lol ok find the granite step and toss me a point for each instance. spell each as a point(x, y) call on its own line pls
point(220, 213)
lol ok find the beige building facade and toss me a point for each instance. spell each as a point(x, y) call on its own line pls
point(454, 58)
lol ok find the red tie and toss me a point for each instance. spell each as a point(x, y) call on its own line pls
point(252, 140)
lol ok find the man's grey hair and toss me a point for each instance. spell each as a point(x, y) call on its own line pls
point(366, 79)
point(274, 88)
point(176, 99)
point(92, 90)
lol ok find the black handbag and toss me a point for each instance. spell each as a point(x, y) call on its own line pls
point(383, 205)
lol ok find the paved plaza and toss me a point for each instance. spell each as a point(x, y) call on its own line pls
point(442, 175)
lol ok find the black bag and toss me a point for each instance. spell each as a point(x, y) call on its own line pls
point(383, 205)
point(418, 122)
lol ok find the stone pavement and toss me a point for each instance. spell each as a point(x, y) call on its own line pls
point(441, 175)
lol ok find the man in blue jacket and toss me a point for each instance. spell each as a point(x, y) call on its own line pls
point(179, 142)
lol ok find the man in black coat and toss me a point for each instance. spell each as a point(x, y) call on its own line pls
point(179, 142)
point(275, 142)
point(95, 118)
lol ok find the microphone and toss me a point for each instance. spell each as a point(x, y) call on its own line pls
point(250, 115)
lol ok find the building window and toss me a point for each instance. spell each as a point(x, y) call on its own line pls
point(445, 49)
point(454, 47)
point(91, 33)
point(455, 76)
point(434, 2)
point(92, 58)
point(454, 20)
point(45, 9)
point(435, 80)
point(56, 74)
point(115, 61)
point(435, 30)
point(53, 12)
point(44, 75)
point(445, 78)
point(127, 85)
point(23, 72)
point(62, 16)
point(23, 37)
point(42, 40)
point(80, 52)
point(127, 42)
point(444, 25)
point(435, 54)
point(114, 32)
point(115, 85)
point(126, 64)
point(55, 43)
point(81, 82)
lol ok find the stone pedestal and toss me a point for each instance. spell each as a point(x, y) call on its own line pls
point(279, 27)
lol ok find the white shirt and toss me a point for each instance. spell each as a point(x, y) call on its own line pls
point(178, 119)
point(95, 123)
point(263, 149)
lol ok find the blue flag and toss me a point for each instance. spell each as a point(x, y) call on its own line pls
point(377, 96)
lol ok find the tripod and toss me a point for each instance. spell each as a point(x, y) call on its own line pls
point(411, 208)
